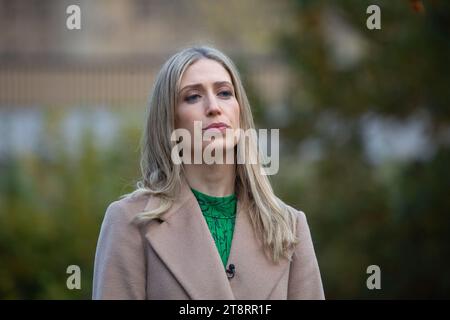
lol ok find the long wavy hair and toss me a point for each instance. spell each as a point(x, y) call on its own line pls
point(273, 221)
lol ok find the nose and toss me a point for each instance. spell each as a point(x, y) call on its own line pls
point(212, 107)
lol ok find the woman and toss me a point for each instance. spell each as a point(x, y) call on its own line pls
point(198, 230)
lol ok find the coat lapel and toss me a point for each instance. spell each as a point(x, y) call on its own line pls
point(255, 274)
point(182, 240)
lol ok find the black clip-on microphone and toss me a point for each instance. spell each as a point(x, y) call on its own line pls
point(231, 271)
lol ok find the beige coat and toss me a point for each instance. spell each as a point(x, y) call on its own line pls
point(176, 257)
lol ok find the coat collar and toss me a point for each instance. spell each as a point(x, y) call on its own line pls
point(182, 240)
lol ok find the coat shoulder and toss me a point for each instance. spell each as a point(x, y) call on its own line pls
point(127, 207)
point(301, 221)
point(298, 214)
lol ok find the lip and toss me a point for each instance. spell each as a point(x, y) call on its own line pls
point(217, 125)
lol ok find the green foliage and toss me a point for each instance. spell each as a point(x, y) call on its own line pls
point(394, 214)
point(51, 209)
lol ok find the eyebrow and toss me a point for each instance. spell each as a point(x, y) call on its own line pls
point(199, 85)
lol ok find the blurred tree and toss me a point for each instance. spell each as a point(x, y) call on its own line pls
point(393, 214)
point(51, 209)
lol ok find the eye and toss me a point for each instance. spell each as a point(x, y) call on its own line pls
point(192, 98)
point(226, 93)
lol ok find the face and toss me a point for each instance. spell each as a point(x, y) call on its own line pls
point(207, 95)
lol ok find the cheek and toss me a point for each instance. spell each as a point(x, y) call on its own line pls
point(183, 117)
point(236, 114)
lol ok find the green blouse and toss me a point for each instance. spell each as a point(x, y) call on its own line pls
point(220, 215)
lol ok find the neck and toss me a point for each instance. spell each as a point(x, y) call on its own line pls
point(215, 180)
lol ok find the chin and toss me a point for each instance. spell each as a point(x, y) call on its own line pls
point(218, 144)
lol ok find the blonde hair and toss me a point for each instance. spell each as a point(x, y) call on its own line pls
point(272, 220)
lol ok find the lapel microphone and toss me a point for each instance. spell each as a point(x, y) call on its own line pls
point(231, 271)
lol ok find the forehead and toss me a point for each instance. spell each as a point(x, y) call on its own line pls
point(205, 71)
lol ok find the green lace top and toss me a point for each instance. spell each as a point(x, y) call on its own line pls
point(220, 215)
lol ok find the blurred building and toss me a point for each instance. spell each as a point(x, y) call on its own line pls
point(112, 60)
